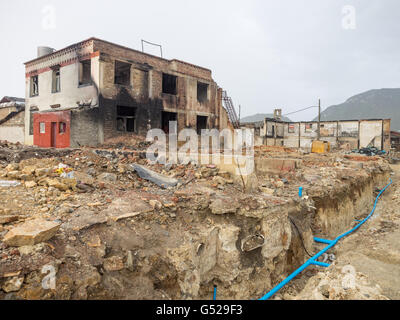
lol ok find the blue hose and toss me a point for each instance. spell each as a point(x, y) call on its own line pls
point(331, 243)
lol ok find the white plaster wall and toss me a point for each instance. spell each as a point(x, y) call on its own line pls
point(69, 95)
point(12, 134)
point(370, 130)
point(348, 128)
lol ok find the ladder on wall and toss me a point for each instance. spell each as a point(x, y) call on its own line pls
point(230, 109)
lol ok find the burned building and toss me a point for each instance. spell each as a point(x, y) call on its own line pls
point(12, 114)
point(353, 134)
point(94, 90)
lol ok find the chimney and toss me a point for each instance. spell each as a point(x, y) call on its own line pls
point(44, 51)
point(278, 114)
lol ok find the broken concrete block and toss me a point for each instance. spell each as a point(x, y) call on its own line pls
point(114, 263)
point(30, 184)
point(223, 206)
point(8, 219)
point(277, 230)
point(41, 172)
point(275, 166)
point(12, 167)
point(84, 178)
point(85, 220)
point(159, 179)
point(266, 190)
point(70, 183)
point(27, 250)
point(57, 184)
point(31, 232)
point(13, 284)
point(88, 277)
point(13, 174)
point(29, 170)
point(155, 204)
point(110, 177)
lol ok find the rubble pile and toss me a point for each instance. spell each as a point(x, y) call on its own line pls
point(333, 285)
point(112, 225)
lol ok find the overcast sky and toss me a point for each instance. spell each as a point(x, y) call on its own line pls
point(266, 54)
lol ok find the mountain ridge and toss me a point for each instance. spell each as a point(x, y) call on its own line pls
point(260, 117)
point(372, 104)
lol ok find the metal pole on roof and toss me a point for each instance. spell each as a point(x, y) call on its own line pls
point(153, 44)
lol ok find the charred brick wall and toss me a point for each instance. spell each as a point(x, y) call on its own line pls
point(85, 127)
point(145, 91)
point(150, 109)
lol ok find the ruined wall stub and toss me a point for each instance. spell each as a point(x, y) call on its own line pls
point(354, 133)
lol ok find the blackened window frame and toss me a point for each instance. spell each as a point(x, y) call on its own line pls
point(31, 89)
point(82, 64)
point(120, 64)
point(169, 80)
point(56, 75)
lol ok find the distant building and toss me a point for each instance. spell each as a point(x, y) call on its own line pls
point(395, 139)
point(352, 133)
point(12, 119)
point(95, 90)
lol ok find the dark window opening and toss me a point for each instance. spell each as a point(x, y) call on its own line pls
point(166, 118)
point(55, 85)
point(85, 76)
point(308, 127)
point(201, 123)
point(126, 119)
point(202, 92)
point(34, 86)
point(62, 128)
point(169, 84)
point(130, 124)
point(31, 123)
point(122, 73)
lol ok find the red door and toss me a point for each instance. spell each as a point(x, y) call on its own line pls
point(53, 134)
point(52, 129)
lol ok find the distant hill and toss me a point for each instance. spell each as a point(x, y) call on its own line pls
point(373, 104)
point(260, 117)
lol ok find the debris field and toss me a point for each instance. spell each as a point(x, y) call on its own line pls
point(110, 225)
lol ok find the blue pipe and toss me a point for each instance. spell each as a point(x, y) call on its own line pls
point(215, 293)
point(331, 243)
point(321, 264)
point(322, 240)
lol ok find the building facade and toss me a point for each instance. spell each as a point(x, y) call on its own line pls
point(95, 90)
point(355, 134)
point(12, 119)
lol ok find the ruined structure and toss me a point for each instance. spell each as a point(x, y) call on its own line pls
point(94, 90)
point(12, 112)
point(352, 133)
